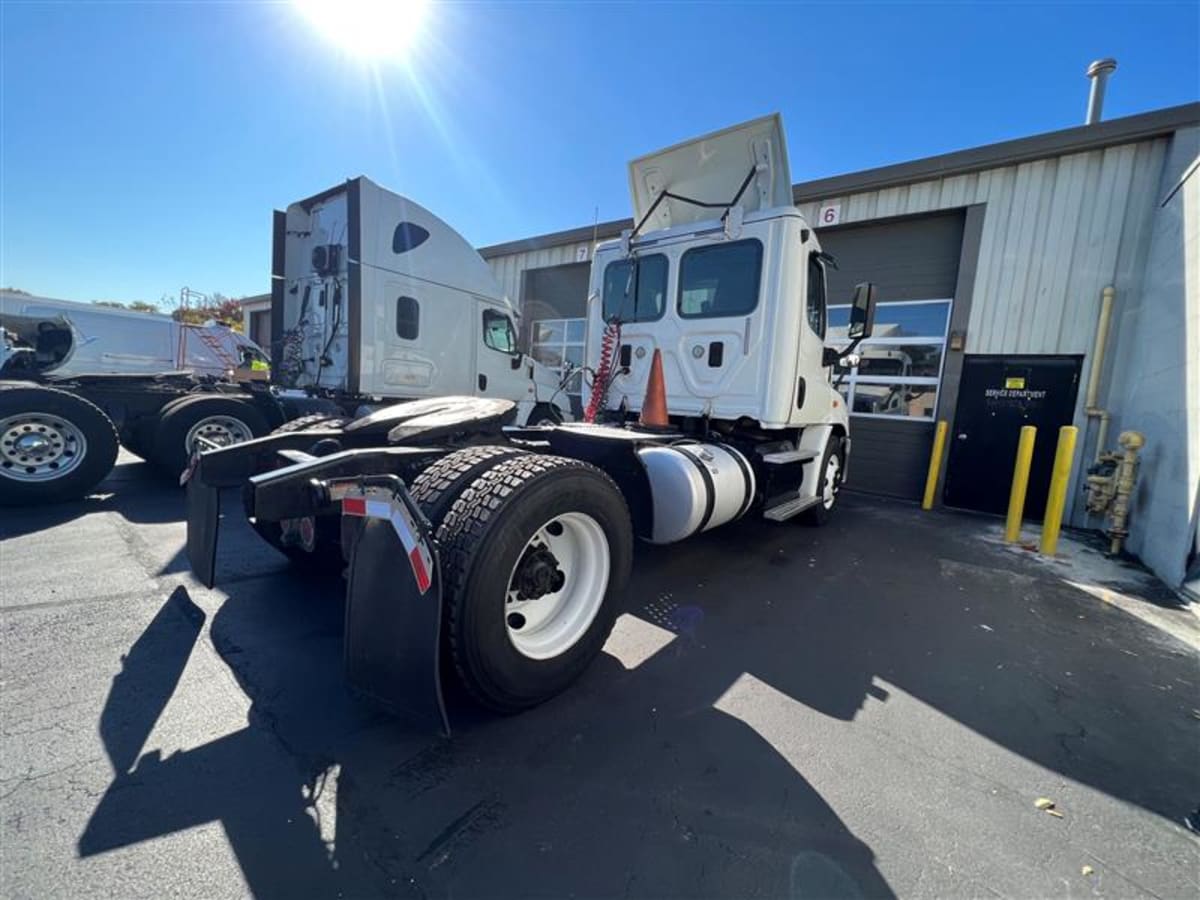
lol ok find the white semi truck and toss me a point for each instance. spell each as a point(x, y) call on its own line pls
point(375, 300)
point(507, 548)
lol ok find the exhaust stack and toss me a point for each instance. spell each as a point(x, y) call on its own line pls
point(1098, 72)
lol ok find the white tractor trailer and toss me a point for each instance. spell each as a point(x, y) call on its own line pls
point(508, 548)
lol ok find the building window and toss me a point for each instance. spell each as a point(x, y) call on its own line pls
point(408, 236)
point(558, 343)
point(498, 332)
point(642, 301)
point(408, 318)
point(816, 295)
point(901, 363)
point(720, 280)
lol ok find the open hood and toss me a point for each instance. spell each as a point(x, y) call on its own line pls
point(711, 169)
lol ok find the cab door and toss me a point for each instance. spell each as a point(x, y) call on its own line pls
point(500, 371)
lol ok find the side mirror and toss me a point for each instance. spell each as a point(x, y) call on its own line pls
point(862, 311)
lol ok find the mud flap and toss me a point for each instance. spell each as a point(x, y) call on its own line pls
point(203, 521)
point(394, 606)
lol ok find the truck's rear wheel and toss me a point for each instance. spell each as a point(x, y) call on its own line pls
point(53, 446)
point(221, 419)
point(535, 553)
point(325, 535)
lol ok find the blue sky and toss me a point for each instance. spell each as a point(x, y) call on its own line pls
point(145, 144)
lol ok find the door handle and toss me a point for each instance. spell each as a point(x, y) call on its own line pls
point(482, 382)
point(962, 436)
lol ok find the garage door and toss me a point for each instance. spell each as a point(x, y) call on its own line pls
point(553, 318)
point(893, 394)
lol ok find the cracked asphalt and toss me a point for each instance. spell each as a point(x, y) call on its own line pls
point(868, 709)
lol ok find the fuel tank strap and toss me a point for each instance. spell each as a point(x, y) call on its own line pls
point(747, 477)
point(710, 491)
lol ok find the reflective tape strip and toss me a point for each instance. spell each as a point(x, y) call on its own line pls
point(395, 512)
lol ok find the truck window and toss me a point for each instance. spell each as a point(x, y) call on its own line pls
point(816, 295)
point(720, 280)
point(408, 318)
point(498, 331)
point(408, 236)
point(651, 293)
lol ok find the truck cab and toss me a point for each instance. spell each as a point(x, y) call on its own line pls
point(723, 276)
point(375, 297)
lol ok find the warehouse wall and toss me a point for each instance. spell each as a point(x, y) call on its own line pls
point(1055, 232)
point(1153, 382)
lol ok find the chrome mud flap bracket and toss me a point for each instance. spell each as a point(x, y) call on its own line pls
point(393, 602)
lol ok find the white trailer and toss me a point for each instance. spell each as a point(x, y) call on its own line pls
point(375, 300)
point(508, 548)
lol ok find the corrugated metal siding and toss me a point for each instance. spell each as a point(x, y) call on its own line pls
point(1055, 232)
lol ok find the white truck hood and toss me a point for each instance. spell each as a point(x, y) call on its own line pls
point(711, 169)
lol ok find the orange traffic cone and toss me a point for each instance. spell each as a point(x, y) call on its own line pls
point(654, 406)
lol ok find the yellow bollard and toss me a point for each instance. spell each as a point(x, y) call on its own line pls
point(1020, 483)
point(1064, 458)
point(935, 463)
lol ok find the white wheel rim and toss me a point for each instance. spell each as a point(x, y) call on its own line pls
point(829, 489)
point(39, 447)
point(546, 626)
point(222, 430)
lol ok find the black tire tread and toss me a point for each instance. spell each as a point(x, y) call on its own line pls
point(436, 489)
point(312, 421)
point(464, 530)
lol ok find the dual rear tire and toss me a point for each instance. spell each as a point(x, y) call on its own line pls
point(535, 552)
point(173, 433)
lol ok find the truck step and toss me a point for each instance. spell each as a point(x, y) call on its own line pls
point(784, 511)
point(784, 457)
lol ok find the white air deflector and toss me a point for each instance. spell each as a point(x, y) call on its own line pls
point(712, 169)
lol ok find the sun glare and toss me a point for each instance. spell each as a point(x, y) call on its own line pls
point(367, 29)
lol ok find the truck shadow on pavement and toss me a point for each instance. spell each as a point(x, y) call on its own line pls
point(669, 774)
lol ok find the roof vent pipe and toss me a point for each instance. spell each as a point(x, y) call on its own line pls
point(1098, 72)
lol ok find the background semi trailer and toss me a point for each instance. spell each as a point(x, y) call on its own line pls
point(507, 548)
point(375, 300)
point(79, 380)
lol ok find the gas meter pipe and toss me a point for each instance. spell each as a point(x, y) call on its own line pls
point(1064, 458)
point(1091, 410)
point(1020, 484)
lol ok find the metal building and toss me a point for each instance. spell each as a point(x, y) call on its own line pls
point(990, 264)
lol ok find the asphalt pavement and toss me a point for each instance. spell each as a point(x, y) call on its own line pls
point(873, 708)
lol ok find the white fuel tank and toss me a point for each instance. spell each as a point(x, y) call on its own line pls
point(694, 487)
